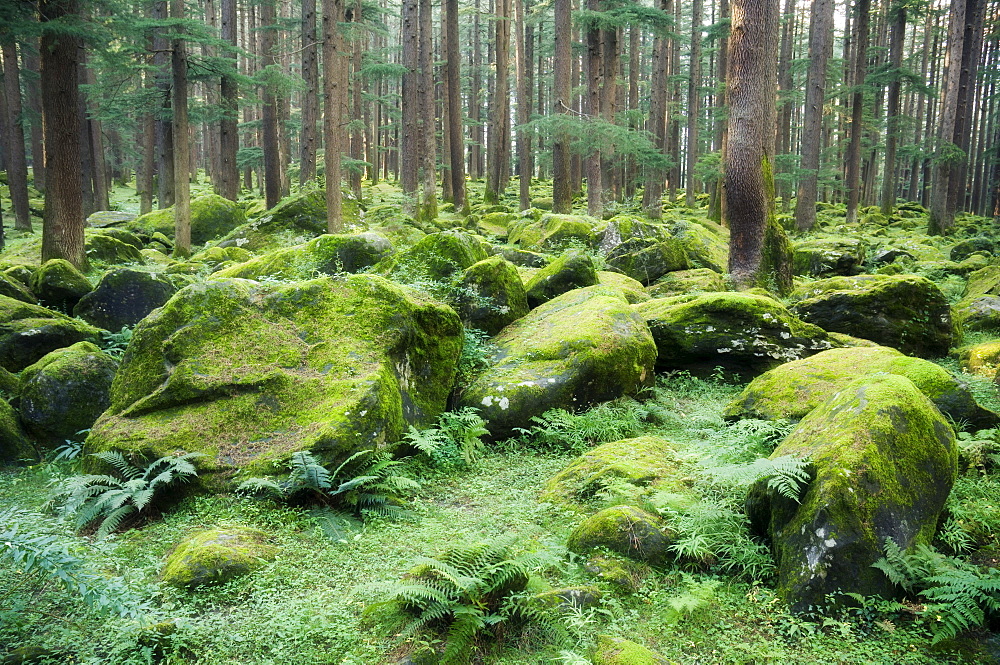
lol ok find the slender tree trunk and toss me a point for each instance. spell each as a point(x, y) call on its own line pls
point(716, 200)
point(694, 105)
point(229, 138)
point(758, 251)
point(595, 194)
point(99, 168)
point(524, 40)
point(896, 36)
point(269, 108)
point(820, 49)
point(456, 133)
point(29, 55)
point(411, 143)
point(475, 105)
point(852, 181)
point(673, 105)
point(164, 128)
point(427, 209)
point(144, 174)
point(182, 191)
point(498, 142)
point(334, 102)
point(17, 165)
point(786, 83)
point(310, 95)
point(652, 191)
point(562, 63)
point(357, 83)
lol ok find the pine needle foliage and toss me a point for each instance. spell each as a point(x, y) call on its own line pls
point(465, 594)
point(110, 499)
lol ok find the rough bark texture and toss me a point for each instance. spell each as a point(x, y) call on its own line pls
point(62, 229)
point(428, 153)
point(269, 109)
point(758, 252)
point(896, 36)
point(498, 142)
point(33, 97)
point(164, 128)
point(455, 131)
point(182, 191)
point(562, 182)
point(17, 165)
point(310, 95)
point(652, 191)
point(524, 41)
point(820, 48)
point(694, 106)
point(410, 140)
point(595, 198)
point(229, 139)
point(852, 179)
point(334, 101)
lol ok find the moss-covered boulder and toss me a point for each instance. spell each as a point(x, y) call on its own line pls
point(583, 347)
point(249, 373)
point(906, 312)
point(524, 258)
point(293, 221)
point(65, 391)
point(608, 235)
point(327, 254)
point(648, 260)
point(626, 530)
point(20, 273)
point(28, 332)
point(572, 270)
point(551, 232)
point(491, 295)
point(794, 389)
point(109, 250)
point(966, 248)
point(619, 651)
point(884, 461)
point(124, 297)
point(438, 257)
point(977, 314)
point(644, 462)
point(57, 283)
point(14, 443)
point(705, 243)
point(104, 218)
point(742, 332)
point(633, 289)
point(981, 359)
point(216, 556)
point(13, 288)
point(217, 256)
point(985, 281)
point(212, 216)
point(823, 257)
point(681, 282)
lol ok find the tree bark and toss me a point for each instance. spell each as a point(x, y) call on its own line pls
point(269, 108)
point(17, 165)
point(310, 95)
point(694, 106)
point(652, 191)
point(229, 138)
point(524, 41)
point(454, 102)
point(852, 179)
point(595, 193)
point(182, 158)
point(562, 63)
point(29, 54)
point(164, 128)
point(334, 101)
point(410, 143)
point(357, 134)
point(498, 142)
point(896, 36)
point(428, 203)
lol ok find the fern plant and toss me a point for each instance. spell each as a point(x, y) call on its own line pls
point(109, 500)
point(364, 483)
point(456, 441)
point(787, 475)
point(466, 593)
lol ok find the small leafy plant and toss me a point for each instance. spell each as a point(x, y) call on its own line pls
point(115, 343)
point(127, 494)
point(456, 441)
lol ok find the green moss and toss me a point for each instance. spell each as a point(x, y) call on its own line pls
point(583, 347)
point(885, 461)
point(28, 332)
point(742, 331)
point(13, 288)
point(293, 221)
point(633, 289)
point(835, 255)
point(214, 256)
point(796, 388)
point(216, 556)
point(249, 373)
point(619, 651)
point(211, 216)
point(982, 359)
point(14, 444)
point(109, 250)
point(552, 231)
point(706, 245)
point(491, 295)
point(626, 530)
point(326, 254)
point(436, 257)
point(57, 283)
point(572, 270)
point(681, 282)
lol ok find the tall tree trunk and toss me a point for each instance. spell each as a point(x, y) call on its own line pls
point(852, 180)
point(562, 63)
point(357, 82)
point(820, 49)
point(715, 203)
point(182, 190)
point(334, 102)
point(498, 142)
point(13, 131)
point(62, 229)
point(897, 34)
point(147, 166)
point(694, 105)
point(164, 127)
point(310, 95)
point(454, 103)
point(786, 83)
point(428, 203)
point(759, 253)
point(29, 55)
point(595, 194)
point(524, 42)
point(673, 105)
point(269, 108)
point(411, 143)
point(99, 167)
point(475, 105)
point(652, 191)
point(229, 138)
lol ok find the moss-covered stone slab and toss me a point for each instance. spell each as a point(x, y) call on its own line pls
point(583, 347)
point(743, 332)
point(977, 314)
point(249, 373)
point(28, 332)
point(963, 249)
point(14, 444)
point(572, 270)
point(906, 312)
point(884, 461)
point(217, 256)
point(212, 216)
point(124, 297)
point(824, 257)
point(705, 243)
point(14, 288)
point(524, 258)
point(981, 359)
point(608, 235)
point(682, 282)
point(551, 232)
point(293, 221)
point(626, 530)
point(327, 254)
point(57, 283)
point(109, 250)
point(646, 260)
point(645, 462)
point(633, 289)
point(216, 556)
point(577, 597)
point(65, 391)
point(20, 273)
point(985, 281)
point(438, 257)
point(619, 651)
point(794, 389)
point(491, 295)
point(103, 218)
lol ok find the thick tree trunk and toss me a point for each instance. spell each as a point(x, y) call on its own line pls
point(820, 48)
point(852, 180)
point(475, 105)
point(783, 130)
point(692, 186)
point(269, 109)
point(454, 102)
point(62, 229)
point(498, 142)
point(524, 42)
point(759, 253)
point(229, 138)
point(310, 95)
point(164, 128)
point(595, 193)
point(427, 209)
point(182, 190)
point(147, 165)
point(334, 102)
point(562, 64)
point(17, 164)
point(896, 36)
point(652, 191)
point(411, 141)
point(357, 135)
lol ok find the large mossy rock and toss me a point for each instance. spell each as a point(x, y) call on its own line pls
point(65, 391)
point(107, 249)
point(981, 359)
point(649, 462)
point(583, 347)
point(212, 216)
point(794, 389)
point(298, 218)
point(572, 270)
point(977, 314)
point(28, 332)
point(13, 288)
point(619, 651)
point(550, 232)
point(216, 556)
point(646, 260)
point(824, 257)
point(328, 254)
point(682, 282)
point(884, 461)
point(742, 332)
point(249, 373)
point(124, 297)
point(438, 257)
point(57, 283)
point(491, 295)
point(705, 243)
point(905, 312)
point(14, 443)
point(626, 530)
